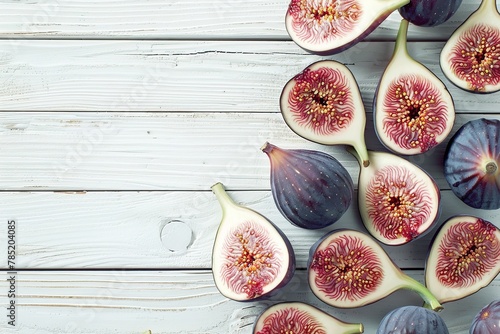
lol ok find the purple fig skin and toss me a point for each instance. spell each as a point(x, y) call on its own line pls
point(487, 321)
point(471, 164)
point(429, 13)
point(412, 319)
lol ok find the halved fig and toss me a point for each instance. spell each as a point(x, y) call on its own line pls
point(412, 320)
point(348, 268)
point(310, 188)
point(251, 257)
point(470, 57)
point(472, 161)
point(464, 258)
point(323, 104)
point(331, 26)
point(398, 201)
point(487, 320)
point(413, 110)
point(429, 13)
point(301, 318)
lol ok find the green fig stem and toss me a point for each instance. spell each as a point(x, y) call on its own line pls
point(352, 328)
point(401, 48)
point(489, 6)
point(363, 161)
point(430, 301)
point(224, 200)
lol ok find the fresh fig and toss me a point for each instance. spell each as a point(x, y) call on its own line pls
point(251, 257)
point(301, 318)
point(331, 26)
point(429, 13)
point(470, 57)
point(398, 201)
point(412, 319)
point(487, 321)
point(323, 104)
point(348, 268)
point(413, 110)
point(464, 257)
point(472, 161)
point(310, 188)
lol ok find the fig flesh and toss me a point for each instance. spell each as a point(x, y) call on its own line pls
point(470, 57)
point(429, 13)
point(310, 188)
point(251, 257)
point(398, 201)
point(413, 110)
point(297, 317)
point(487, 321)
point(348, 268)
point(464, 257)
point(323, 104)
point(330, 26)
point(472, 161)
point(412, 319)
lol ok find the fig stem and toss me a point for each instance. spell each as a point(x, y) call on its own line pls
point(489, 5)
point(363, 161)
point(400, 48)
point(491, 167)
point(220, 193)
point(352, 328)
point(430, 300)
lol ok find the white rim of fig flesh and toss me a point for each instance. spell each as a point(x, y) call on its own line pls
point(336, 102)
point(478, 56)
point(272, 266)
point(461, 249)
point(387, 179)
point(359, 268)
point(316, 320)
point(413, 109)
point(331, 26)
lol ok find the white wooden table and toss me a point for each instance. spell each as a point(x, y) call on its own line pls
point(116, 117)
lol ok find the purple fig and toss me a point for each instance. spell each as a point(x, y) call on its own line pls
point(412, 319)
point(310, 188)
point(429, 13)
point(487, 321)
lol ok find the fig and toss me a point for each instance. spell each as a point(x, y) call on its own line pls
point(471, 163)
point(323, 104)
point(330, 26)
point(464, 257)
point(487, 321)
point(251, 257)
point(398, 201)
point(469, 59)
point(310, 188)
point(429, 13)
point(413, 110)
point(301, 318)
point(412, 319)
point(348, 268)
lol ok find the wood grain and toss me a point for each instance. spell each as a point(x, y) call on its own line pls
point(166, 19)
point(185, 76)
point(167, 302)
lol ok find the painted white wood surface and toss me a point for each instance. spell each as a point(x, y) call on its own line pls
point(115, 119)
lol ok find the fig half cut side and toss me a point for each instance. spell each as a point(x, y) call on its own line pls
point(251, 257)
point(348, 268)
point(398, 201)
point(470, 57)
point(472, 163)
point(464, 257)
point(323, 104)
point(301, 318)
point(330, 26)
point(311, 188)
point(413, 110)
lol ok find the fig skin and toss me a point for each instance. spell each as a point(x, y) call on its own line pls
point(277, 318)
point(414, 320)
point(471, 164)
point(251, 257)
point(487, 320)
point(464, 257)
point(311, 189)
point(429, 13)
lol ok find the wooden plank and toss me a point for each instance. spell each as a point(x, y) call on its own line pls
point(159, 151)
point(161, 19)
point(167, 302)
point(174, 230)
point(195, 76)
